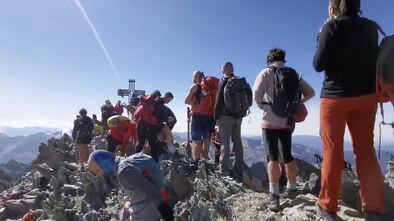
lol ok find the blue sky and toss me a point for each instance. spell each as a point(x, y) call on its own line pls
point(51, 63)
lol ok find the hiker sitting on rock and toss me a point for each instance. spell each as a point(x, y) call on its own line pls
point(122, 135)
point(140, 178)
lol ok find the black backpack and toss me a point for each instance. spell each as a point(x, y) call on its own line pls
point(287, 95)
point(85, 127)
point(238, 96)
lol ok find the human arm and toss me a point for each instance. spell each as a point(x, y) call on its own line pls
point(260, 87)
point(322, 54)
point(190, 99)
point(307, 91)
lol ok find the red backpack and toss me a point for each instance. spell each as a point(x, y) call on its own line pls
point(209, 87)
point(145, 110)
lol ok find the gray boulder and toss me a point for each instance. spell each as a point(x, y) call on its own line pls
point(20, 206)
point(256, 177)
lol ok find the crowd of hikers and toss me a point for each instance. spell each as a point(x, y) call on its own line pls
point(347, 49)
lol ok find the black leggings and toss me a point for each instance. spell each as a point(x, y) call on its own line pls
point(276, 142)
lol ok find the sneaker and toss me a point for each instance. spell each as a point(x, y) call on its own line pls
point(326, 215)
point(289, 193)
point(373, 216)
point(272, 202)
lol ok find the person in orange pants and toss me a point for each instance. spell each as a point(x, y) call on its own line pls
point(347, 52)
point(359, 115)
point(122, 135)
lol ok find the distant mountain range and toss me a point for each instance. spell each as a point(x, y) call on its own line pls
point(304, 147)
point(23, 148)
point(26, 131)
point(14, 169)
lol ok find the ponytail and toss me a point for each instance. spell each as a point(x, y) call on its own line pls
point(347, 7)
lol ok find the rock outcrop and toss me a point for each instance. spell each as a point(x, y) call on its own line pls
point(56, 189)
point(59, 190)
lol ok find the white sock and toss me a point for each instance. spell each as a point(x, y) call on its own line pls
point(274, 188)
point(291, 185)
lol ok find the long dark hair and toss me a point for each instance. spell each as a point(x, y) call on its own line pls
point(348, 7)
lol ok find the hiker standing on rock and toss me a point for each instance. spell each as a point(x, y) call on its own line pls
point(201, 97)
point(278, 89)
point(149, 115)
point(233, 99)
point(347, 51)
point(140, 178)
point(83, 134)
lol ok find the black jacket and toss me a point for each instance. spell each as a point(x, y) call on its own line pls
point(159, 111)
point(83, 127)
point(347, 50)
point(167, 114)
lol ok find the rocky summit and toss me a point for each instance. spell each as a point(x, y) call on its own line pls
point(57, 189)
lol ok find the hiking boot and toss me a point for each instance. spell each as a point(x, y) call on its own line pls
point(272, 202)
point(289, 193)
point(373, 216)
point(326, 215)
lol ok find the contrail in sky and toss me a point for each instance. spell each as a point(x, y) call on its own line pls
point(85, 15)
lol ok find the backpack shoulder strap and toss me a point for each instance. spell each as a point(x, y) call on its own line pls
point(380, 29)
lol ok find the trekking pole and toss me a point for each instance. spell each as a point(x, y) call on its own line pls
point(188, 146)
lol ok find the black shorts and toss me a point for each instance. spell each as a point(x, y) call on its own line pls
point(202, 127)
point(278, 142)
point(84, 140)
